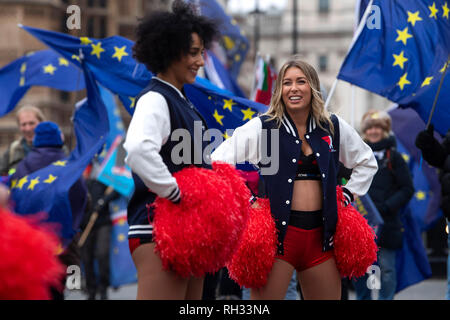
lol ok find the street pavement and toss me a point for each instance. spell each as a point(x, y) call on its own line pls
point(430, 289)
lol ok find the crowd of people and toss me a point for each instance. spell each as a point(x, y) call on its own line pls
point(312, 148)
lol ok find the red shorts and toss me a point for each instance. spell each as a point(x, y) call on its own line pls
point(133, 243)
point(303, 248)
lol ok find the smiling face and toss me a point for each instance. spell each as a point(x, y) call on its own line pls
point(27, 121)
point(374, 134)
point(296, 92)
point(186, 68)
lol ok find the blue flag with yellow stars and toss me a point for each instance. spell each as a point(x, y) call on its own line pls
point(122, 75)
point(47, 189)
point(425, 204)
point(109, 59)
point(422, 211)
point(401, 53)
point(123, 270)
point(41, 68)
point(234, 43)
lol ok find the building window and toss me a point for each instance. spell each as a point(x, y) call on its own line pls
point(324, 6)
point(323, 63)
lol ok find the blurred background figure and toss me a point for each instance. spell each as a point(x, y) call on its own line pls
point(48, 142)
point(391, 190)
point(95, 251)
point(28, 117)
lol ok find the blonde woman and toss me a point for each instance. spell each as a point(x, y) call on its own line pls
point(308, 143)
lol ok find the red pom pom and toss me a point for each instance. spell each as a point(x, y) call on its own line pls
point(355, 248)
point(199, 234)
point(254, 258)
point(28, 262)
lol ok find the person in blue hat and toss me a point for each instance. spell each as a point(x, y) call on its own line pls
point(48, 147)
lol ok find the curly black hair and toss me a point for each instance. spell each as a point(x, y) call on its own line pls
point(164, 37)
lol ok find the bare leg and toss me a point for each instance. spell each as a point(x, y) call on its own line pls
point(321, 282)
point(155, 283)
point(277, 282)
point(194, 289)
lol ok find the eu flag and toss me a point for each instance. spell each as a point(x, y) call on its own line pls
point(46, 190)
point(127, 78)
point(406, 124)
point(109, 59)
point(234, 43)
point(42, 68)
point(122, 270)
point(403, 57)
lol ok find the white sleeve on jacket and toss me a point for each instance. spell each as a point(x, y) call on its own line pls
point(244, 144)
point(355, 154)
point(149, 130)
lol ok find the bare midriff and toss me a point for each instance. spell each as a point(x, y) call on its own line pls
point(307, 194)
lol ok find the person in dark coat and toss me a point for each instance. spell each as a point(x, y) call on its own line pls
point(97, 245)
point(391, 189)
point(47, 148)
point(438, 155)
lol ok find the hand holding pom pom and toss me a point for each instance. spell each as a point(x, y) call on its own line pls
point(199, 234)
point(254, 258)
point(354, 240)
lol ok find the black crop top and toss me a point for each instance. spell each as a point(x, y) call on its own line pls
point(307, 168)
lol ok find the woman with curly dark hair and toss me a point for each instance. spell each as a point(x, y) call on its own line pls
point(171, 45)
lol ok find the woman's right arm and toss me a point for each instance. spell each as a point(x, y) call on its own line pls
point(149, 130)
point(244, 145)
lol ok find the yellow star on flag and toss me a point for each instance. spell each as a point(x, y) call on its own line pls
point(63, 62)
point(237, 57)
point(133, 102)
point(50, 69)
point(403, 81)
point(23, 67)
point(85, 40)
point(414, 17)
point(420, 195)
point(218, 117)
point(51, 178)
point(13, 183)
point(22, 182)
point(229, 43)
point(405, 157)
point(446, 10)
point(433, 11)
point(248, 114)
point(228, 104)
point(60, 163)
point(22, 81)
point(443, 68)
point(119, 53)
point(121, 237)
point(403, 36)
point(399, 59)
point(33, 183)
point(226, 136)
point(75, 57)
point(426, 82)
point(97, 49)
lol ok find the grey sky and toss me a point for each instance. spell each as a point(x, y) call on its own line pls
point(249, 5)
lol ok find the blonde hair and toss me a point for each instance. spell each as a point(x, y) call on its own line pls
point(318, 112)
point(29, 108)
point(376, 118)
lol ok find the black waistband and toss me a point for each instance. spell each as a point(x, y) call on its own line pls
point(306, 219)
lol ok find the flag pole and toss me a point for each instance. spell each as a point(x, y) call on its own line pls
point(355, 37)
point(438, 91)
point(331, 93)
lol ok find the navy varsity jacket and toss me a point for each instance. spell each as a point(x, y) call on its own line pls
point(345, 146)
point(161, 111)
